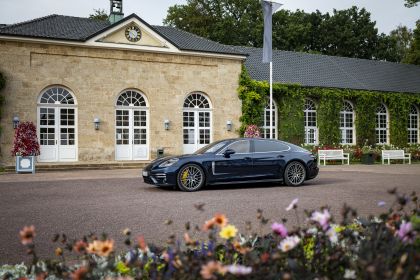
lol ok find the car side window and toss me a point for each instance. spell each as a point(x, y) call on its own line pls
point(264, 146)
point(241, 147)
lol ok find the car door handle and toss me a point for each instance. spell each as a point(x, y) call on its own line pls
point(280, 156)
point(247, 158)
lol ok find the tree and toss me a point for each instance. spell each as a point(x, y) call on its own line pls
point(349, 32)
point(413, 55)
point(411, 3)
point(99, 14)
point(395, 46)
point(234, 22)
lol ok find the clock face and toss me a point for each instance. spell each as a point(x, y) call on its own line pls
point(133, 33)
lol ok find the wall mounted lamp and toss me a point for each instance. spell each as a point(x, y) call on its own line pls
point(15, 122)
point(97, 122)
point(166, 123)
point(229, 125)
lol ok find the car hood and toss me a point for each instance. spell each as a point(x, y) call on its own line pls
point(158, 161)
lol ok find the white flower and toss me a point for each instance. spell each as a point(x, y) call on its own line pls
point(322, 218)
point(289, 243)
point(237, 269)
point(332, 235)
point(292, 204)
point(349, 274)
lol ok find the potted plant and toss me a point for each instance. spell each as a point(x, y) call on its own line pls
point(25, 147)
point(252, 131)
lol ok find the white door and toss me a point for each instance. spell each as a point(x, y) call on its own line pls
point(131, 134)
point(57, 134)
point(196, 130)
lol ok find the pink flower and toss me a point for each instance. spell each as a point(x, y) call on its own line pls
point(279, 229)
point(406, 233)
point(322, 218)
point(292, 204)
point(237, 269)
point(289, 243)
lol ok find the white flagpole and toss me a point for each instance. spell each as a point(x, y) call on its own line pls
point(271, 99)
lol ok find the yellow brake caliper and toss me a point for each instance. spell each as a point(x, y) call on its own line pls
point(184, 176)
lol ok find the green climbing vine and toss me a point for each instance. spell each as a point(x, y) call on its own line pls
point(290, 99)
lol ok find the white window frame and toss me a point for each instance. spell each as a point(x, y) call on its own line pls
point(344, 113)
point(266, 125)
point(379, 114)
point(307, 111)
point(414, 130)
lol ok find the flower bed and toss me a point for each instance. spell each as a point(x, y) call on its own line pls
point(383, 247)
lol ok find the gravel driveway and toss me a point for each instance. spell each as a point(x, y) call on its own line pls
point(80, 202)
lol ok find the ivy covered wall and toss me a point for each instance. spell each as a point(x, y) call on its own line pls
point(290, 99)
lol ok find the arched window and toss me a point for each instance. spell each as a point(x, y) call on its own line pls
point(57, 125)
point(56, 95)
point(311, 130)
point(413, 125)
point(131, 126)
point(347, 123)
point(382, 126)
point(196, 118)
point(266, 125)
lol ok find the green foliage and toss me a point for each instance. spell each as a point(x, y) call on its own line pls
point(329, 119)
point(291, 98)
point(413, 55)
point(99, 14)
point(411, 3)
point(350, 32)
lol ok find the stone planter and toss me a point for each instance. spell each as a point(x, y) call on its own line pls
point(25, 164)
point(368, 158)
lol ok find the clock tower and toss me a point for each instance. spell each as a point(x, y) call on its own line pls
point(116, 11)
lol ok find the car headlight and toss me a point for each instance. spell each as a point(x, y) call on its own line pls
point(169, 162)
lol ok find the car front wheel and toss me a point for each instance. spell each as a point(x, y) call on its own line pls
point(190, 178)
point(294, 174)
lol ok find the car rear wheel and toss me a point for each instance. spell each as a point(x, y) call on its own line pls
point(190, 178)
point(294, 174)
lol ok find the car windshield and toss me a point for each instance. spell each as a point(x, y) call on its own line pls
point(211, 148)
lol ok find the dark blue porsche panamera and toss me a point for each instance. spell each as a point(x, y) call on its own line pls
point(240, 160)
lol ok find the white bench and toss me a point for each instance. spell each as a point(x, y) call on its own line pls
point(395, 154)
point(333, 155)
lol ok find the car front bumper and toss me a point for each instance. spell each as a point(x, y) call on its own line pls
point(159, 177)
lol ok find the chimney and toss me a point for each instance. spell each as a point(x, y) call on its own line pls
point(116, 11)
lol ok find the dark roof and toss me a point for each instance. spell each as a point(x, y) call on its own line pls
point(315, 70)
point(57, 27)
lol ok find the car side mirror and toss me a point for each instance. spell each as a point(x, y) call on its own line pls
point(228, 152)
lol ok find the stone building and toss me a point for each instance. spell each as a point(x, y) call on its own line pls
point(117, 91)
point(147, 87)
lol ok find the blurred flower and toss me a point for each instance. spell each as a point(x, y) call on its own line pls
point(381, 203)
point(27, 235)
point(127, 231)
point(80, 246)
point(406, 232)
point(322, 218)
point(292, 205)
point(349, 274)
point(142, 243)
point(279, 229)
point(252, 131)
point(332, 235)
point(101, 248)
point(289, 243)
point(238, 269)
point(228, 232)
point(208, 225)
point(79, 274)
point(188, 239)
point(220, 220)
point(58, 251)
point(208, 271)
point(241, 249)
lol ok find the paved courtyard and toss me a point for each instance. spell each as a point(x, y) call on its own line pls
point(80, 202)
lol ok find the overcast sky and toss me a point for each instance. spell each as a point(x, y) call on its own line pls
point(388, 14)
